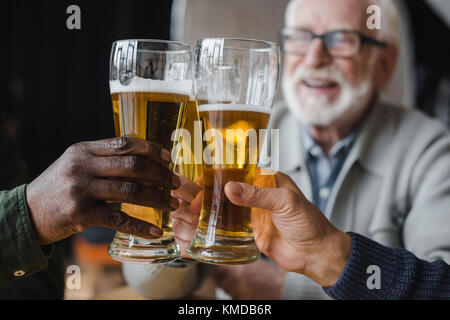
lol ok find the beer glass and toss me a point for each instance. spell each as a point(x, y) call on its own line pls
point(235, 84)
point(151, 90)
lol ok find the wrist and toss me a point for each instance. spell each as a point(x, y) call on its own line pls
point(30, 198)
point(330, 259)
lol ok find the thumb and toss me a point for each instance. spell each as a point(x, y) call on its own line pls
point(273, 199)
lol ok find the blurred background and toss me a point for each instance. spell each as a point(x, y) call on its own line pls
point(55, 80)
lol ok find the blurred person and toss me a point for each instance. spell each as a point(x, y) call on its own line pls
point(71, 195)
point(378, 170)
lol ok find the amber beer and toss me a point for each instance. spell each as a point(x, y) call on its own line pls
point(151, 115)
point(231, 154)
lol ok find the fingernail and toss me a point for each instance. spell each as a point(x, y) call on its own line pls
point(156, 232)
point(176, 181)
point(235, 188)
point(165, 155)
point(174, 203)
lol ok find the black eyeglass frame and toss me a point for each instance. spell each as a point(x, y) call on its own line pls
point(363, 39)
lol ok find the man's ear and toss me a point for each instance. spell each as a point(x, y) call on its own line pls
point(386, 66)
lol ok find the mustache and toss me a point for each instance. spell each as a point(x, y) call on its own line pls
point(327, 73)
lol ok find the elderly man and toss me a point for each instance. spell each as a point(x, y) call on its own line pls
point(371, 168)
point(378, 170)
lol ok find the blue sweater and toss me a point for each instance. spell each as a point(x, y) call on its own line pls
point(402, 274)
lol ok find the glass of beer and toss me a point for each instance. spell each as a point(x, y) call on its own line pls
point(235, 84)
point(151, 84)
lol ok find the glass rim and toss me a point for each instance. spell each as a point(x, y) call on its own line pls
point(270, 46)
point(187, 47)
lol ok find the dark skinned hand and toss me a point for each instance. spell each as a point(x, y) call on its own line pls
point(76, 191)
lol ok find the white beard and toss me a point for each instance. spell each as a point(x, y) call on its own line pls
point(319, 111)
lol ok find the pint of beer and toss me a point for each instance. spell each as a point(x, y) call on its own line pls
point(151, 92)
point(151, 116)
point(235, 85)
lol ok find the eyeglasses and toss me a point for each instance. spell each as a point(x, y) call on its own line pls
point(337, 43)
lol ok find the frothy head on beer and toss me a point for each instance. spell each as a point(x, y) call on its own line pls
point(150, 109)
point(137, 84)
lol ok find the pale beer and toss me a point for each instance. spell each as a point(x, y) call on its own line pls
point(235, 84)
point(151, 86)
point(233, 158)
point(151, 116)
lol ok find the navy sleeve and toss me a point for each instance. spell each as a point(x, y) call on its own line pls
point(402, 274)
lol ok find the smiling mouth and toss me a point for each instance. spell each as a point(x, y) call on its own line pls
point(320, 83)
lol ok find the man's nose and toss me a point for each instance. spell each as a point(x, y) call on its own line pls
point(316, 56)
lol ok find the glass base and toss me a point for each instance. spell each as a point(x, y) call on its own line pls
point(224, 251)
point(132, 249)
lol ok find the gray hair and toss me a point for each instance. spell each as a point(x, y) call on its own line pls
point(390, 20)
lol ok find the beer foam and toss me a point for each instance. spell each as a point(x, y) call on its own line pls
point(233, 107)
point(138, 84)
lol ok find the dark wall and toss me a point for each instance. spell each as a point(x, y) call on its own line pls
point(431, 53)
point(63, 74)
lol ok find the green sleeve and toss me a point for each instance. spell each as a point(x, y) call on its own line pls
point(20, 254)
